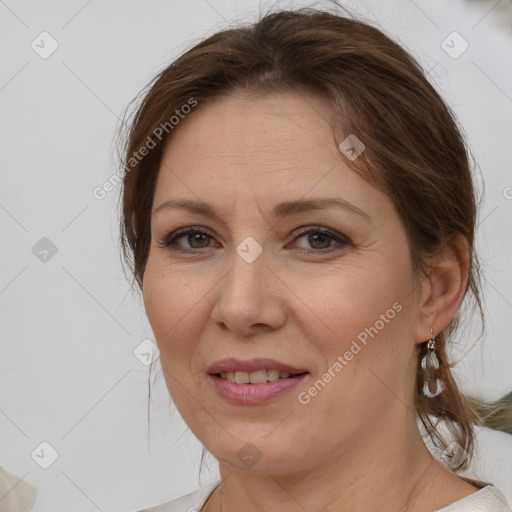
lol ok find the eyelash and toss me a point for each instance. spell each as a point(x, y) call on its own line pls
point(171, 238)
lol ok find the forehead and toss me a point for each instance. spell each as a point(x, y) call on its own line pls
point(271, 147)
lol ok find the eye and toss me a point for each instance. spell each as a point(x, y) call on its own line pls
point(192, 239)
point(321, 239)
point(195, 237)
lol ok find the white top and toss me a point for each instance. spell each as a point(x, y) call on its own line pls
point(487, 499)
point(16, 494)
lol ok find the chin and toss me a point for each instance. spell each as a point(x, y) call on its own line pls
point(257, 454)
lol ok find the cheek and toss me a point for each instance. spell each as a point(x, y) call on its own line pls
point(354, 297)
point(172, 310)
point(171, 305)
point(368, 307)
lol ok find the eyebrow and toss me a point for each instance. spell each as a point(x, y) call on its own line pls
point(280, 210)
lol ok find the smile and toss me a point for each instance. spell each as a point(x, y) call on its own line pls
point(257, 377)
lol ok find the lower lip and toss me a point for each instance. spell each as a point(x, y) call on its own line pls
point(254, 393)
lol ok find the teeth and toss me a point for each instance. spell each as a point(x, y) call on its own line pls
point(272, 375)
point(242, 377)
point(257, 377)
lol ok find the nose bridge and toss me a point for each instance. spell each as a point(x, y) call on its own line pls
point(246, 279)
point(247, 295)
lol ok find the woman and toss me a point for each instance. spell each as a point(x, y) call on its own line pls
point(299, 213)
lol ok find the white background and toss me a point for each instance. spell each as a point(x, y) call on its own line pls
point(69, 325)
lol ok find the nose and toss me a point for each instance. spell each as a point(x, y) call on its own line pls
point(250, 298)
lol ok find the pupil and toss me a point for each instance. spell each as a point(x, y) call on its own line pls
point(198, 237)
point(323, 237)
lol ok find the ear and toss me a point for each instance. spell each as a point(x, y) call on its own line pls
point(444, 288)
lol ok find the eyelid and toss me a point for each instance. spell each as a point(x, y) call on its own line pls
point(177, 234)
point(174, 235)
point(323, 230)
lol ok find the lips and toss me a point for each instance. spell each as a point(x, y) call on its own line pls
point(253, 365)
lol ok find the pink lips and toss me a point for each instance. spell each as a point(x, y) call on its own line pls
point(254, 393)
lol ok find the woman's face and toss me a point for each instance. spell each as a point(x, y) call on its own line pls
point(255, 177)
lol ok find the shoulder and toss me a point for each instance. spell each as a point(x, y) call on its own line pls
point(16, 494)
point(487, 499)
point(189, 503)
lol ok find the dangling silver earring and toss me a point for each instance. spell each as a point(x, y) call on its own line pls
point(428, 362)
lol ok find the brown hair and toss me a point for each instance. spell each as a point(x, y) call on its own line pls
point(415, 151)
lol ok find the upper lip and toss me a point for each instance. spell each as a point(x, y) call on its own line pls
point(252, 365)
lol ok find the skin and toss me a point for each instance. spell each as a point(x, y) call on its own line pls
point(355, 445)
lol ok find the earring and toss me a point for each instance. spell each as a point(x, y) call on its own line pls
point(428, 362)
